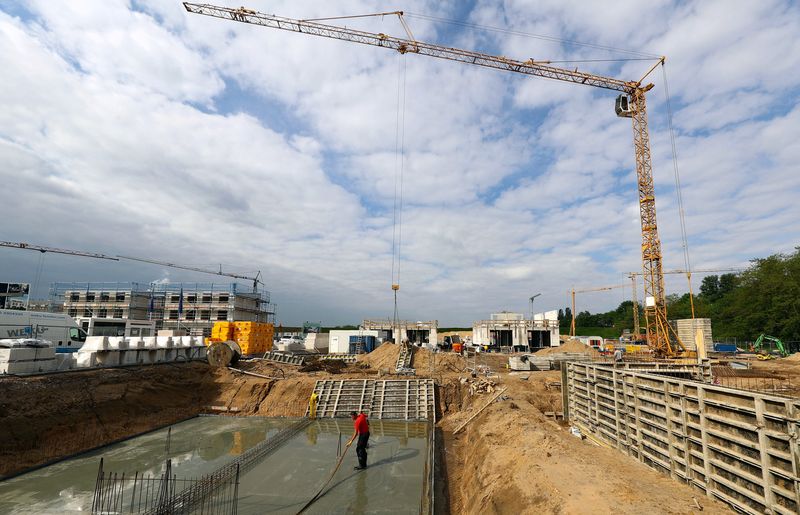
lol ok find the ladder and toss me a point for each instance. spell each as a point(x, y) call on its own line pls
point(404, 358)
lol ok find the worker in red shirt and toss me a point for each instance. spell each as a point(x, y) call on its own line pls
point(361, 426)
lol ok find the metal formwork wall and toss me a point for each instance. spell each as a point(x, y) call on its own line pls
point(738, 446)
point(392, 399)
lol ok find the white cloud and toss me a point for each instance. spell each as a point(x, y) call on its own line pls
point(113, 137)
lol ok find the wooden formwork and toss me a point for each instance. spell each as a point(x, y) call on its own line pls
point(738, 446)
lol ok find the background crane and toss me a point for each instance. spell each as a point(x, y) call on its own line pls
point(630, 103)
point(587, 290)
point(634, 288)
point(43, 250)
point(39, 248)
point(256, 279)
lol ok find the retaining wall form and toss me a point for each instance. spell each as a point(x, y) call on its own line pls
point(739, 446)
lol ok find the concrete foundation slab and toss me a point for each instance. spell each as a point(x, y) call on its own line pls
point(281, 483)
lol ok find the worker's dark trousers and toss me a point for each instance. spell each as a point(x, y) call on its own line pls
point(361, 449)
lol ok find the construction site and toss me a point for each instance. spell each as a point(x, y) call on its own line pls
point(190, 397)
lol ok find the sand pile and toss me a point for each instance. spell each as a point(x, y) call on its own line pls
point(571, 346)
point(385, 356)
point(793, 357)
point(441, 360)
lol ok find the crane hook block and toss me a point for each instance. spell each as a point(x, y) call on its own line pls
point(395, 287)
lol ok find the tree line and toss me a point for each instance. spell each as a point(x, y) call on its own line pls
point(765, 298)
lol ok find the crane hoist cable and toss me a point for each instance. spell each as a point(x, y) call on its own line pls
point(678, 191)
point(399, 166)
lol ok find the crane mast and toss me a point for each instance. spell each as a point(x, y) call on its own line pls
point(633, 106)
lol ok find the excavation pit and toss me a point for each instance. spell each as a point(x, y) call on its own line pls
point(282, 482)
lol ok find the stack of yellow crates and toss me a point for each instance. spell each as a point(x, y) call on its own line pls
point(253, 337)
point(222, 331)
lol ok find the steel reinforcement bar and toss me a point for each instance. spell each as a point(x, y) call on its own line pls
point(738, 446)
point(186, 500)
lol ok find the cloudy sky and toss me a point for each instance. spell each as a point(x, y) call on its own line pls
point(133, 127)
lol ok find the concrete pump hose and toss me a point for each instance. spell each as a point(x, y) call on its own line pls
point(333, 473)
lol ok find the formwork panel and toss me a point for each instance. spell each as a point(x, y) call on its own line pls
point(738, 446)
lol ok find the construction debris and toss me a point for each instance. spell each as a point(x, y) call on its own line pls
point(479, 385)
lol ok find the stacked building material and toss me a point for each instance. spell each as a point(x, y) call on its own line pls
point(252, 337)
point(26, 356)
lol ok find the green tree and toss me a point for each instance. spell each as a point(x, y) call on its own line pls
point(709, 289)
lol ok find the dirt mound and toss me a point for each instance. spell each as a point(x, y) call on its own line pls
point(442, 361)
point(571, 346)
point(332, 366)
point(385, 356)
point(793, 357)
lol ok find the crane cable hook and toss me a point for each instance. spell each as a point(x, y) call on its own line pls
point(397, 210)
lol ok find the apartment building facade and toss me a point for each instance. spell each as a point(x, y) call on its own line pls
point(193, 307)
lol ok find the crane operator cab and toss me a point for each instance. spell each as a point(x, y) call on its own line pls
point(623, 106)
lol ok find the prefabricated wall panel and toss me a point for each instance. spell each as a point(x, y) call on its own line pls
point(738, 446)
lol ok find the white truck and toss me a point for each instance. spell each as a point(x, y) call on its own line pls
point(99, 326)
point(58, 328)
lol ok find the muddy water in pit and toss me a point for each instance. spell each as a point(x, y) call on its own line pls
point(281, 483)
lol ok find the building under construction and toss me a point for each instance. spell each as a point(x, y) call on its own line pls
point(193, 307)
point(509, 332)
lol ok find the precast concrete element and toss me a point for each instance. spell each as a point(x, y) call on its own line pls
point(347, 358)
point(394, 399)
point(736, 445)
point(282, 357)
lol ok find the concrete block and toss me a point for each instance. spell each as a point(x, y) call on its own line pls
point(155, 356)
point(117, 343)
point(95, 343)
point(164, 342)
point(85, 359)
point(15, 367)
point(150, 342)
point(65, 360)
point(18, 354)
point(135, 343)
point(45, 353)
point(169, 354)
point(108, 358)
point(43, 365)
point(128, 357)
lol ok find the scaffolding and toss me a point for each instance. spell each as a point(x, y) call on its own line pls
point(190, 306)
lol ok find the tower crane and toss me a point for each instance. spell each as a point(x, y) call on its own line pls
point(587, 290)
point(630, 103)
point(53, 250)
point(256, 279)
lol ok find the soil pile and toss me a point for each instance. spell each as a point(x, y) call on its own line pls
point(442, 361)
point(571, 346)
point(385, 356)
point(332, 366)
